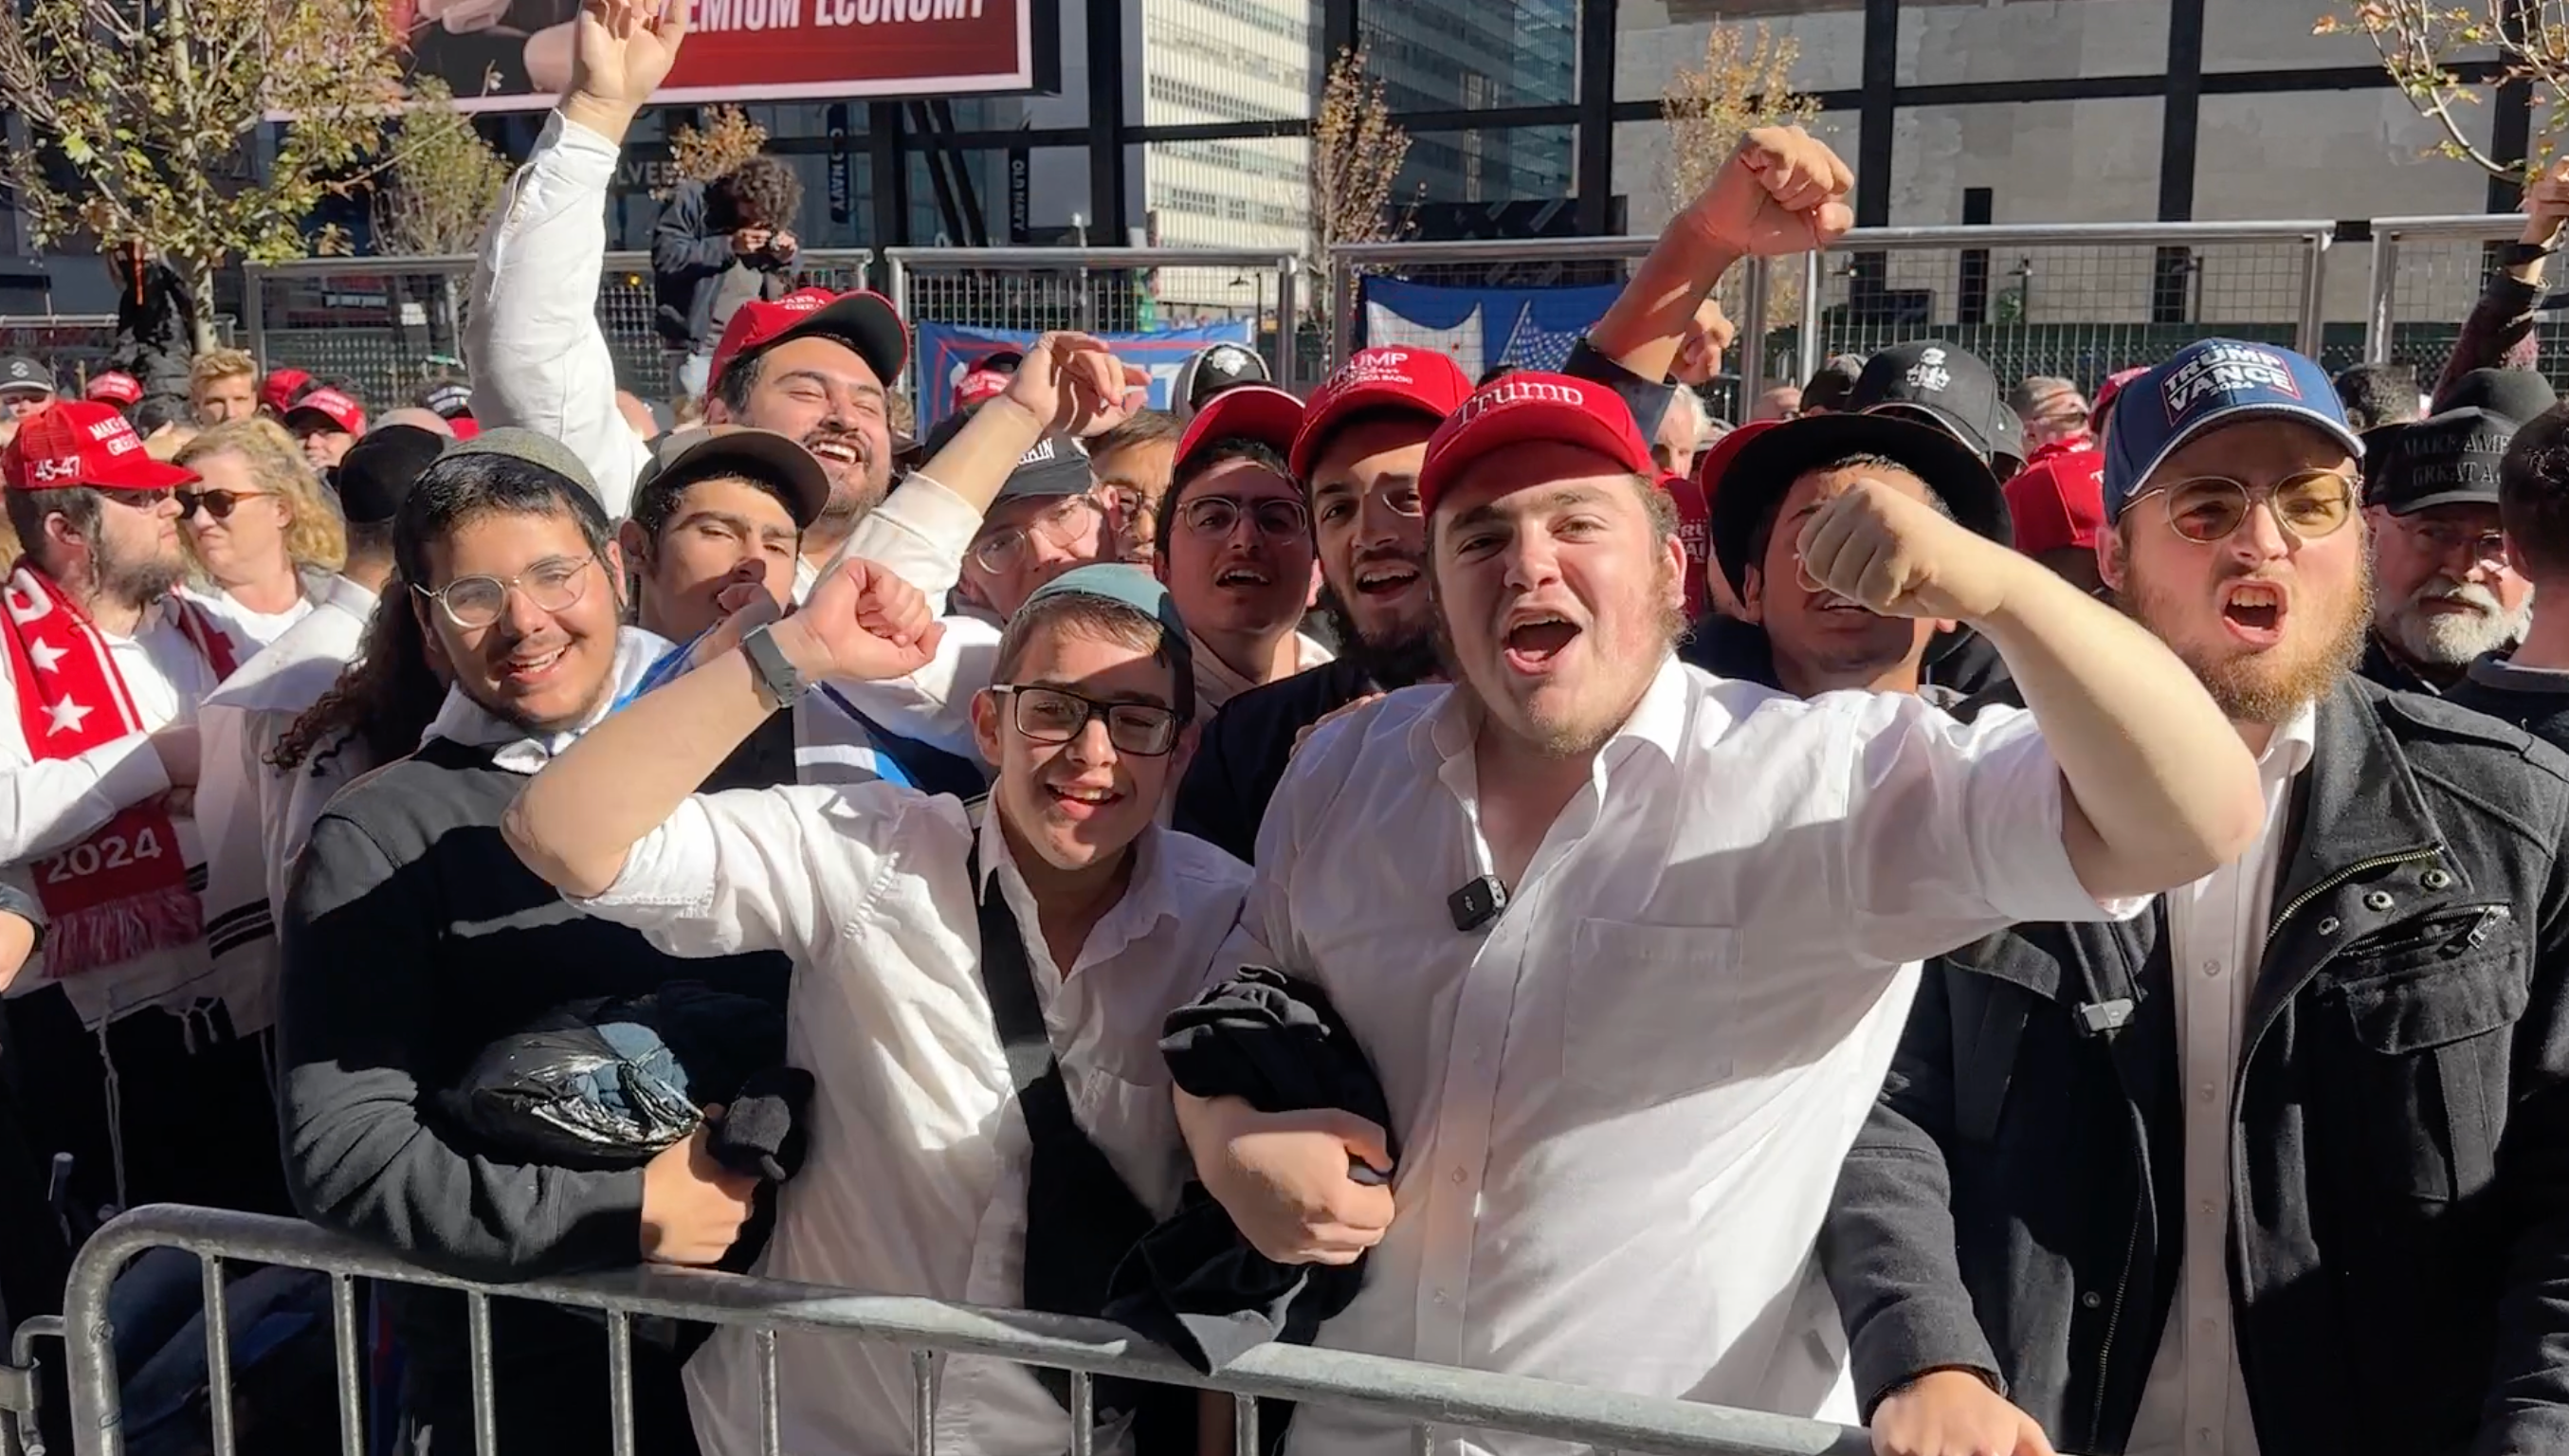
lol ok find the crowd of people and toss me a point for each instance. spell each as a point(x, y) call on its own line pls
point(2002, 914)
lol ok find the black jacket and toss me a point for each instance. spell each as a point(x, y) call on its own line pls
point(691, 250)
point(1741, 650)
point(2381, 667)
point(1242, 755)
point(2400, 1232)
point(2535, 701)
point(155, 332)
point(413, 938)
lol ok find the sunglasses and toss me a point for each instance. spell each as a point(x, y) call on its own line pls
point(218, 504)
point(2210, 509)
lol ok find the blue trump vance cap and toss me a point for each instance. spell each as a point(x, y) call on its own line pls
point(2208, 383)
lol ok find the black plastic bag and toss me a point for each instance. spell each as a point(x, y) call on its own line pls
point(608, 1082)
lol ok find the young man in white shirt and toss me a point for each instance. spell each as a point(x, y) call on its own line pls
point(1642, 918)
point(1234, 544)
point(944, 1121)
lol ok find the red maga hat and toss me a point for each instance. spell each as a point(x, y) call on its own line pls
point(84, 443)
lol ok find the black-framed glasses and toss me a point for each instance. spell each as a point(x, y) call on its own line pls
point(1062, 525)
point(218, 504)
point(2305, 507)
point(1052, 715)
point(555, 584)
point(1216, 516)
point(2486, 544)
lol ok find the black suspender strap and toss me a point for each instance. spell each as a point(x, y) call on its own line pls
point(1080, 1218)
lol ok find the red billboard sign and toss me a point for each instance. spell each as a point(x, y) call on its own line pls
point(514, 55)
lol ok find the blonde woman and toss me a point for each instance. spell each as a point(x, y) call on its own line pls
point(264, 539)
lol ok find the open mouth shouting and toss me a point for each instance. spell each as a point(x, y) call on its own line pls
point(2253, 612)
point(1242, 578)
point(835, 452)
point(1384, 577)
point(1532, 639)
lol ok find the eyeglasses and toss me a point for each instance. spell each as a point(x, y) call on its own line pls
point(218, 504)
point(140, 500)
point(474, 602)
point(2305, 507)
point(2487, 547)
point(1216, 516)
point(1050, 715)
point(1062, 526)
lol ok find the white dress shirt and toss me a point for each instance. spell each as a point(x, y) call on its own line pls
point(918, 1176)
point(255, 815)
point(2196, 1402)
point(1621, 1107)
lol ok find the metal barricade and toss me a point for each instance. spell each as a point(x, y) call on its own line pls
point(1428, 1396)
point(385, 323)
point(2072, 299)
point(1110, 290)
point(76, 346)
point(2427, 272)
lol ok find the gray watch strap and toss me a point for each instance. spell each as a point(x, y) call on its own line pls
point(777, 681)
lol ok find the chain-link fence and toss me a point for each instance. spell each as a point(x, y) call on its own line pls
point(76, 346)
point(2075, 300)
point(1109, 290)
point(389, 326)
point(2427, 272)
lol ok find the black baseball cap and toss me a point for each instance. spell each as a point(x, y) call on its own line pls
point(379, 470)
point(1055, 464)
point(1759, 478)
point(2449, 459)
point(715, 449)
point(1944, 385)
point(2517, 394)
point(20, 375)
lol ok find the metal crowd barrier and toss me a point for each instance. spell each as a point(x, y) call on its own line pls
point(1107, 289)
point(2072, 299)
point(2427, 272)
point(384, 322)
point(1432, 1398)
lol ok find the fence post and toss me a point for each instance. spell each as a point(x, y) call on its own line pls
point(254, 312)
point(897, 279)
point(1752, 335)
point(2314, 323)
point(1342, 304)
point(1288, 321)
point(2378, 294)
point(1814, 270)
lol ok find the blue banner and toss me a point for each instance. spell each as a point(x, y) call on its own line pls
point(1530, 328)
point(946, 352)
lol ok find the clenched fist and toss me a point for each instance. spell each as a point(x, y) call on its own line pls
point(1782, 191)
point(863, 623)
point(1900, 557)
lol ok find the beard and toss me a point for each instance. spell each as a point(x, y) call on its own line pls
point(1388, 664)
point(855, 490)
point(138, 580)
point(2453, 638)
point(2270, 686)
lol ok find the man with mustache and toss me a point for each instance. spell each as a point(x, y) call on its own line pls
point(811, 366)
point(1627, 988)
point(2442, 590)
point(2279, 1166)
point(1357, 452)
point(2528, 685)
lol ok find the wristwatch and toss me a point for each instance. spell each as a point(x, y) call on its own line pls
point(2517, 255)
point(779, 682)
